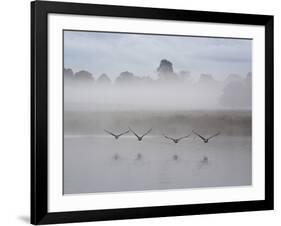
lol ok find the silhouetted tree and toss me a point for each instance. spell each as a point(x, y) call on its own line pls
point(104, 79)
point(68, 73)
point(248, 87)
point(166, 71)
point(126, 77)
point(184, 76)
point(236, 94)
point(84, 76)
point(206, 79)
point(233, 78)
point(248, 79)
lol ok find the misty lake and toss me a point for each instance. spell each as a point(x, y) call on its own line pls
point(170, 86)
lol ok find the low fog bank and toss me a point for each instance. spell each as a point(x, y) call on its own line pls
point(173, 103)
point(160, 97)
point(178, 123)
point(156, 97)
point(169, 91)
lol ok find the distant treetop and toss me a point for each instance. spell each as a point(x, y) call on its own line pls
point(104, 79)
point(126, 77)
point(68, 73)
point(84, 75)
point(166, 71)
point(206, 78)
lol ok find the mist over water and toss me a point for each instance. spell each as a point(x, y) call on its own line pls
point(169, 101)
point(94, 161)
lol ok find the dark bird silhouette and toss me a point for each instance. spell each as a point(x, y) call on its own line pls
point(206, 140)
point(176, 140)
point(116, 136)
point(140, 137)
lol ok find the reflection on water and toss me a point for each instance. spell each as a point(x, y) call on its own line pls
point(103, 164)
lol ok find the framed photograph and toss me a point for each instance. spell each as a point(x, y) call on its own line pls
point(145, 112)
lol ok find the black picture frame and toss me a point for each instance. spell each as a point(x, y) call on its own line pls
point(39, 112)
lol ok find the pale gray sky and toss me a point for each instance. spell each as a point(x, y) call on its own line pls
point(112, 53)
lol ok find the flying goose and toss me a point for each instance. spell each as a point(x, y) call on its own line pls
point(140, 137)
point(206, 140)
point(116, 136)
point(176, 140)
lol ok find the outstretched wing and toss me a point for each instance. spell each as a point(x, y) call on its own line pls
point(147, 132)
point(133, 132)
point(214, 135)
point(198, 135)
point(110, 133)
point(183, 137)
point(123, 133)
point(170, 138)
